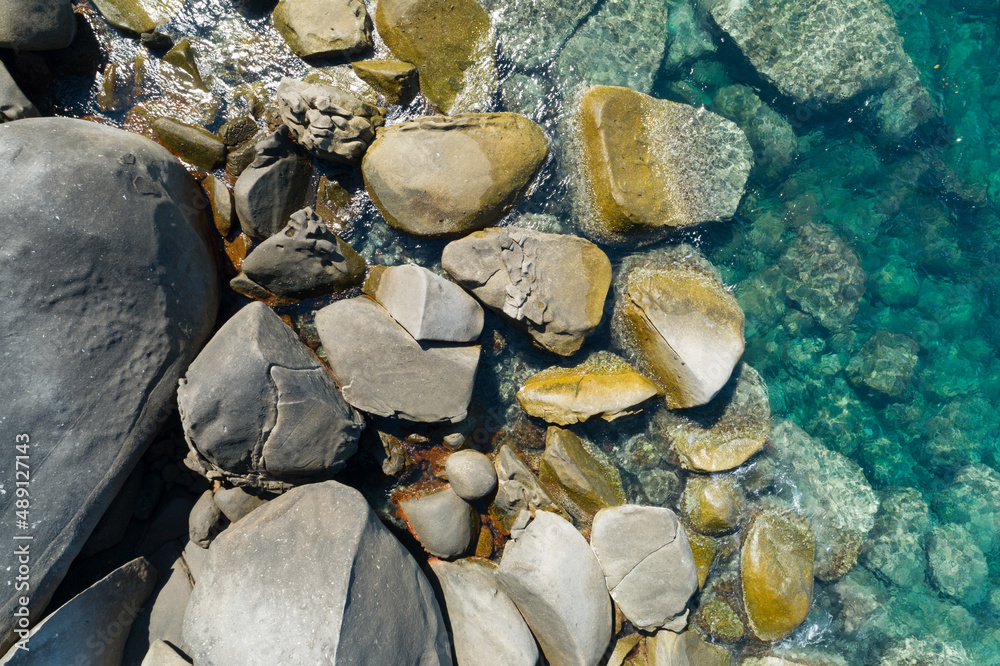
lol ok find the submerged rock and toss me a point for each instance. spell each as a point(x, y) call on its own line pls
point(957, 565)
point(895, 548)
point(442, 521)
point(395, 79)
point(929, 651)
point(648, 166)
point(333, 583)
point(771, 136)
point(324, 27)
point(551, 285)
point(304, 259)
point(550, 24)
point(368, 352)
point(273, 187)
point(33, 25)
point(443, 177)
point(647, 562)
point(257, 406)
point(885, 364)
point(13, 104)
point(684, 326)
point(451, 44)
point(712, 504)
point(973, 501)
point(573, 467)
point(550, 572)
point(329, 123)
point(428, 306)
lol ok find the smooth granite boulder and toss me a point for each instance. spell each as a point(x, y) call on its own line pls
point(443, 522)
point(384, 371)
point(647, 562)
point(551, 285)
point(324, 27)
point(105, 262)
point(471, 474)
point(273, 187)
point(318, 579)
point(443, 177)
point(36, 25)
point(259, 409)
point(13, 104)
point(428, 306)
point(486, 627)
point(550, 572)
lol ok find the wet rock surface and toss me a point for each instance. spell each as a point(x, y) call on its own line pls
point(395, 79)
point(37, 25)
point(324, 28)
point(272, 187)
point(571, 466)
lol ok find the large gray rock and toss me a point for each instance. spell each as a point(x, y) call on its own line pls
point(324, 28)
point(93, 625)
point(429, 306)
point(647, 561)
point(272, 187)
point(328, 122)
point(36, 25)
point(384, 371)
point(443, 522)
point(551, 285)
point(486, 627)
point(258, 408)
point(162, 617)
point(13, 104)
point(550, 572)
point(110, 291)
point(319, 580)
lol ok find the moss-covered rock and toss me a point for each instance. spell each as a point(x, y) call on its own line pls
point(572, 467)
point(712, 504)
point(191, 143)
point(138, 16)
point(395, 79)
point(720, 621)
point(324, 27)
point(885, 364)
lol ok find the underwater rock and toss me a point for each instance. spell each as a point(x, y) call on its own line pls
point(776, 571)
point(324, 27)
point(718, 619)
point(486, 627)
point(395, 79)
point(771, 136)
point(712, 504)
point(428, 306)
point(648, 166)
point(334, 583)
point(895, 546)
point(722, 434)
point(443, 522)
point(551, 285)
point(138, 16)
point(826, 280)
point(367, 349)
point(13, 104)
point(572, 467)
point(897, 283)
point(450, 42)
point(259, 409)
point(816, 53)
point(37, 25)
point(833, 494)
point(928, 651)
point(905, 105)
point(329, 123)
point(647, 562)
point(553, 577)
point(684, 326)
point(273, 187)
point(604, 385)
point(191, 143)
point(885, 364)
point(973, 501)
point(304, 259)
point(443, 177)
point(550, 24)
point(957, 565)
point(471, 474)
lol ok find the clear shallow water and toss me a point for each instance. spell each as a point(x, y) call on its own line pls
point(921, 218)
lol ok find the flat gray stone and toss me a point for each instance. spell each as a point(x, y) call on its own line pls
point(36, 25)
point(442, 521)
point(273, 187)
point(428, 306)
point(647, 563)
point(104, 261)
point(384, 371)
point(324, 27)
point(471, 474)
point(13, 104)
point(258, 407)
point(550, 572)
point(319, 580)
point(486, 627)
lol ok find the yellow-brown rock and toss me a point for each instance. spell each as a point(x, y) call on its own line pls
point(776, 568)
point(568, 466)
point(396, 80)
point(651, 165)
point(704, 549)
point(712, 504)
point(604, 385)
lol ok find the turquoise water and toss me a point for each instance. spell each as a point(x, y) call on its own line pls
point(920, 218)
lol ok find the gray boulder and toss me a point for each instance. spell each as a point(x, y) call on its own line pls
point(236, 503)
point(486, 627)
point(384, 371)
point(302, 260)
point(13, 104)
point(551, 285)
point(470, 474)
point(36, 25)
point(259, 409)
point(93, 625)
point(518, 490)
point(550, 572)
point(273, 187)
point(204, 520)
point(319, 579)
point(329, 123)
point(104, 261)
point(429, 306)
point(162, 617)
point(647, 561)
point(443, 522)
point(324, 28)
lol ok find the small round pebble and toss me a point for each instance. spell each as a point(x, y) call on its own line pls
point(471, 474)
